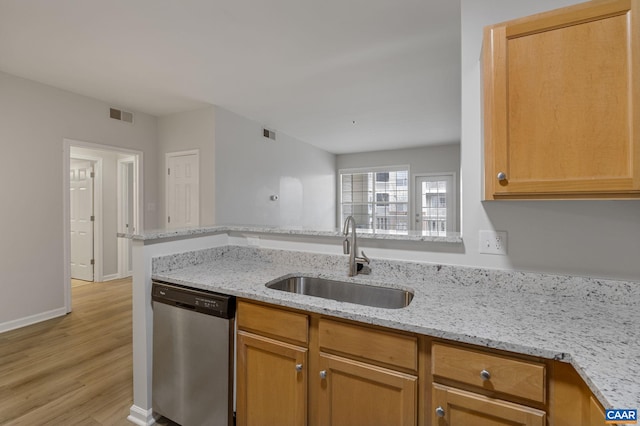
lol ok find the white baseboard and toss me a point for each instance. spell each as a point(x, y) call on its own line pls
point(116, 276)
point(140, 416)
point(111, 277)
point(32, 319)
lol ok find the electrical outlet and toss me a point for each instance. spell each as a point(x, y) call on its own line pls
point(253, 241)
point(493, 242)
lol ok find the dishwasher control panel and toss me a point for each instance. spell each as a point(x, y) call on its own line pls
point(206, 302)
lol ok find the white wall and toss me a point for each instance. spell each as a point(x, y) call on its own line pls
point(34, 120)
point(589, 238)
point(586, 238)
point(427, 159)
point(183, 132)
point(250, 168)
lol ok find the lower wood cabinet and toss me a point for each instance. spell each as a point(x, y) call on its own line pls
point(296, 368)
point(596, 413)
point(455, 407)
point(357, 393)
point(481, 388)
point(271, 383)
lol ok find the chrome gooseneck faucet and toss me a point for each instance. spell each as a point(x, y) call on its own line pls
point(351, 247)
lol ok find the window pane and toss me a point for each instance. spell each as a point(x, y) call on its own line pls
point(377, 200)
point(382, 177)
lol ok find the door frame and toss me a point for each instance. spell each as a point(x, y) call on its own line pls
point(124, 246)
point(167, 156)
point(66, 213)
point(452, 219)
point(97, 213)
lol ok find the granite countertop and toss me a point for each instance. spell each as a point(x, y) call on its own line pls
point(593, 324)
point(416, 236)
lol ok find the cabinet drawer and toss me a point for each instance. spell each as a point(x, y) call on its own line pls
point(369, 344)
point(273, 322)
point(501, 374)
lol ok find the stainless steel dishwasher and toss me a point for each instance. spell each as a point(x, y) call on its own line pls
point(193, 332)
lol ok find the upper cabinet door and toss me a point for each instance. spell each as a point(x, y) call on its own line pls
point(562, 103)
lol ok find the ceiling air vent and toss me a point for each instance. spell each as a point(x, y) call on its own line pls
point(269, 134)
point(117, 114)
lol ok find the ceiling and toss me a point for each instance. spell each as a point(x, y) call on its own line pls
point(344, 75)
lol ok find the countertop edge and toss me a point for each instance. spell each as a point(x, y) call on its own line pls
point(167, 234)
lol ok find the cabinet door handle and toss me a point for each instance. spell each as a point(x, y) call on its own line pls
point(440, 412)
point(298, 367)
point(323, 374)
point(502, 176)
point(485, 375)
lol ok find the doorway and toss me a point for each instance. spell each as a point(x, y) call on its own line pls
point(115, 209)
point(435, 210)
point(127, 212)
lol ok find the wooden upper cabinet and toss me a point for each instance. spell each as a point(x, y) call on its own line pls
point(562, 103)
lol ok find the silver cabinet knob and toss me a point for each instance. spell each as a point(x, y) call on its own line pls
point(440, 412)
point(298, 367)
point(502, 176)
point(485, 375)
point(323, 374)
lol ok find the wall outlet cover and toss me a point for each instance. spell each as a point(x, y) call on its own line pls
point(253, 241)
point(493, 242)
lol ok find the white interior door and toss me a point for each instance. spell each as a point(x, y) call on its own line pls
point(183, 192)
point(81, 211)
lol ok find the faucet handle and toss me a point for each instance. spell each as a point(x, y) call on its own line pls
point(364, 257)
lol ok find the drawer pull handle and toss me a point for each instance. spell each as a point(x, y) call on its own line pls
point(323, 374)
point(502, 176)
point(485, 375)
point(298, 367)
point(440, 412)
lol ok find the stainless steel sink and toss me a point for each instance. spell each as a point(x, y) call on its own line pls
point(361, 294)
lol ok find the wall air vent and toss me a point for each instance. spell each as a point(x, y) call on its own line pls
point(120, 115)
point(269, 134)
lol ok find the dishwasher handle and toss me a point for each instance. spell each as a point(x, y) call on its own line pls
point(185, 306)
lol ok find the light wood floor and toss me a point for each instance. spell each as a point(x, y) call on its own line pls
point(72, 370)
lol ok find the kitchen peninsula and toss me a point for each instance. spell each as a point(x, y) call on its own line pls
point(588, 323)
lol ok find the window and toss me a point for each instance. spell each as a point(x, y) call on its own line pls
point(377, 199)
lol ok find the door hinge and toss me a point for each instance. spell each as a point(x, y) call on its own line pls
point(168, 219)
point(93, 218)
point(169, 171)
point(93, 262)
point(93, 174)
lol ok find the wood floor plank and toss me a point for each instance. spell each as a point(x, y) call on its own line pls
point(73, 370)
